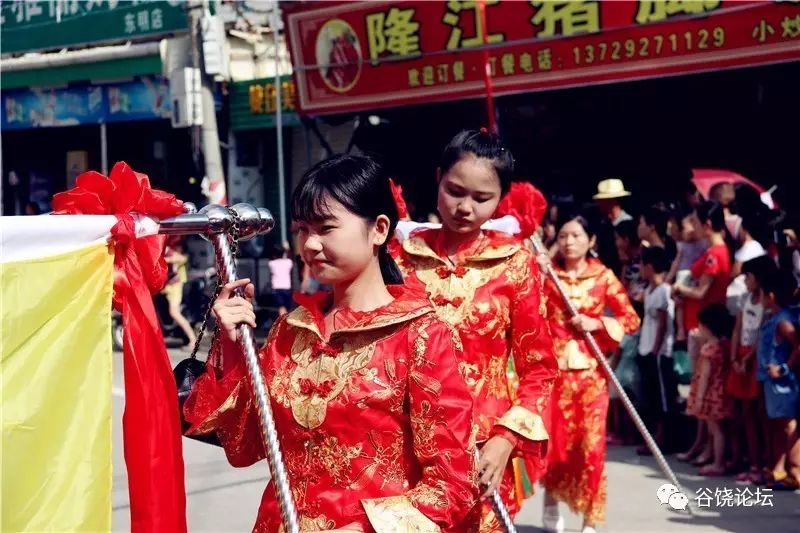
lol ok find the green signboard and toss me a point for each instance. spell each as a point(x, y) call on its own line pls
point(43, 24)
point(253, 104)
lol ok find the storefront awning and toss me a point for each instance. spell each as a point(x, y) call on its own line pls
point(95, 64)
point(366, 55)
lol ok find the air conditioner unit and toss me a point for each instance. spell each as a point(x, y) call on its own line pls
point(215, 57)
point(187, 105)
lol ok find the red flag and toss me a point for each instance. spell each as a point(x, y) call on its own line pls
point(151, 425)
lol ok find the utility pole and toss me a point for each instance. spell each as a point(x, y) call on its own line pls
point(275, 22)
point(209, 136)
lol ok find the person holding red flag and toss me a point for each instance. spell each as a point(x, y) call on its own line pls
point(488, 286)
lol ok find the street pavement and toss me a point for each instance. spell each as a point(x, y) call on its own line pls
point(221, 498)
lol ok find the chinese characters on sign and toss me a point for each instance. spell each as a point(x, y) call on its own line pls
point(458, 10)
point(394, 32)
point(565, 17)
point(42, 24)
point(263, 98)
point(658, 10)
point(375, 54)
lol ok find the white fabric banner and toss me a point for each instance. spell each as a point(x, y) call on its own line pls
point(21, 237)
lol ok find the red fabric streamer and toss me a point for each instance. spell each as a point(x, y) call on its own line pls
point(151, 425)
point(402, 208)
point(525, 203)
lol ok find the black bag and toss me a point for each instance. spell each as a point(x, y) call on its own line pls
point(186, 373)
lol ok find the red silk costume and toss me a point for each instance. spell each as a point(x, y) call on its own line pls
point(492, 296)
point(375, 424)
point(576, 455)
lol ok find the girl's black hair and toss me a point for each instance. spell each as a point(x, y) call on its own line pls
point(656, 257)
point(569, 212)
point(784, 286)
point(748, 200)
point(627, 229)
point(753, 223)
point(361, 185)
point(484, 144)
point(714, 213)
point(762, 268)
point(658, 217)
point(717, 319)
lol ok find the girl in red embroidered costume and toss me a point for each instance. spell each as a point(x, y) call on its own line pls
point(576, 456)
point(374, 418)
point(488, 286)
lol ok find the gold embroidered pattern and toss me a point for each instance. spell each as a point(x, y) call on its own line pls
point(433, 495)
point(402, 311)
point(423, 424)
point(495, 376)
point(472, 377)
point(524, 422)
point(316, 523)
point(386, 459)
point(397, 513)
point(309, 403)
point(336, 458)
point(393, 391)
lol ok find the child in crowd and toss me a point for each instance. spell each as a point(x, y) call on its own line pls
point(691, 245)
point(741, 382)
point(653, 230)
point(751, 235)
point(659, 390)
point(708, 401)
point(725, 194)
point(629, 250)
point(777, 353)
point(280, 268)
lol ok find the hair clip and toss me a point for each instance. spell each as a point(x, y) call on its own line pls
point(484, 130)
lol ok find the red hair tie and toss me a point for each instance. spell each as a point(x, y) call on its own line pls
point(484, 130)
point(397, 193)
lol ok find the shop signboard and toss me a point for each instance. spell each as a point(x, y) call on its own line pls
point(253, 104)
point(144, 98)
point(350, 56)
point(27, 25)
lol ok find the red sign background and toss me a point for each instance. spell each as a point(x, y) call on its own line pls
point(366, 55)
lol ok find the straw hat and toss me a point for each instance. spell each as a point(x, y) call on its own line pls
point(611, 188)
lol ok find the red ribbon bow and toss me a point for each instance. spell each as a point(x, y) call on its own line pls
point(525, 203)
point(321, 389)
point(399, 201)
point(320, 348)
point(444, 272)
point(441, 300)
point(151, 434)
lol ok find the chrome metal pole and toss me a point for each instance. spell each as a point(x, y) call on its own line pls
point(227, 273)
point(215, 222)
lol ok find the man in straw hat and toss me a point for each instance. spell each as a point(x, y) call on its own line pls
point(609, 191)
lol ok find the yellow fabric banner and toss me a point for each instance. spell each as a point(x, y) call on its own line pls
point(55, 401)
